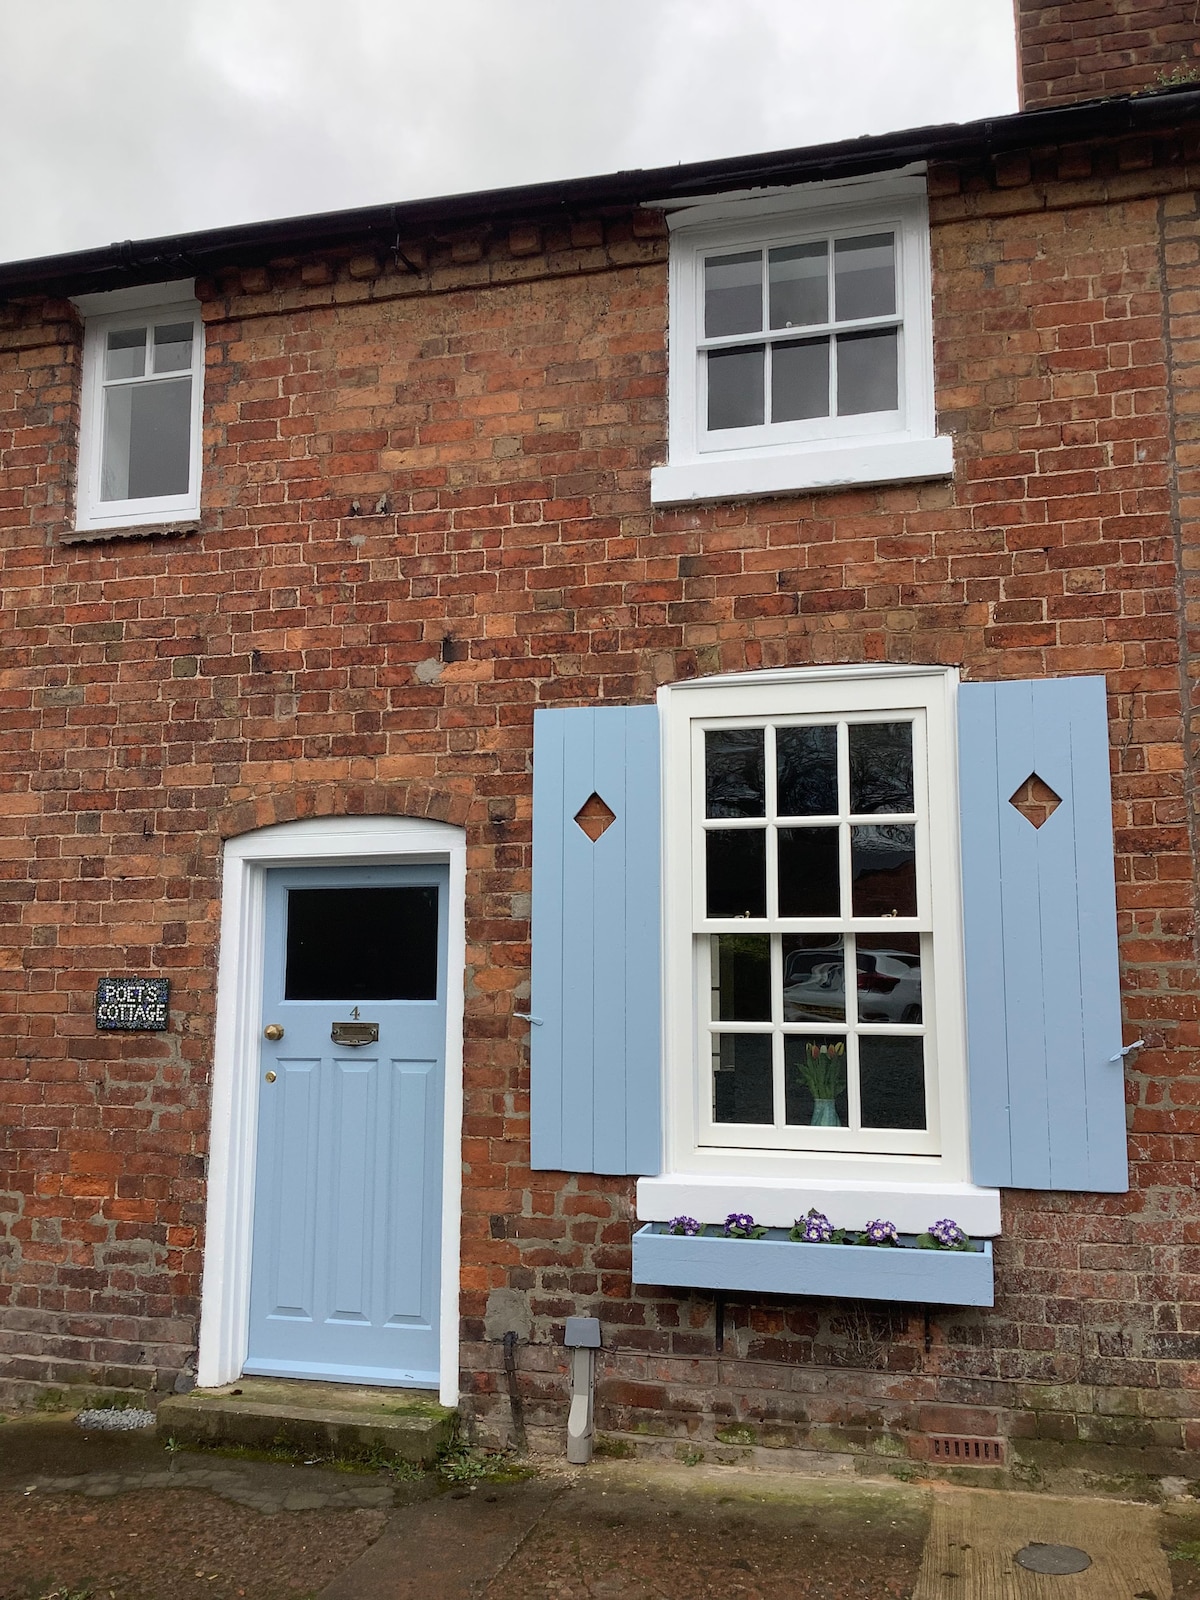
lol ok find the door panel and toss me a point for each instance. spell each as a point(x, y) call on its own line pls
point(347, 1236)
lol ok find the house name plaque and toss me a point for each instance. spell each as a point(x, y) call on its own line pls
point(132, 1003)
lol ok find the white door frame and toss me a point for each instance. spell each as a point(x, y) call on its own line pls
point(229, 1214)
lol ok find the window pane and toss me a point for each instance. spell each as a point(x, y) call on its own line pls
point(800, 380)
point(814, 1078)
point(147, 440)
point(741, 977)
point(362, 944)
point(814, 978)
point(173, 347)
point(884, 870)
point(737, 872)
point(864, 275)
point(891, 1080)
point(735, 387)
point(126, 355)
point(735, 782)
point(866, 373)
point(881, 767)
point(806, 763)
point(889, 978)
point(799, 285)
point(808, 872)
point(733, 294)
point(742, 1088)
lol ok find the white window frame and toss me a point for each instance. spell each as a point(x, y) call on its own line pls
point(704, 1179)
point(104, 313)
point(819, 453)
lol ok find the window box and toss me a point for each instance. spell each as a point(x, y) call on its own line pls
point(776, 1265)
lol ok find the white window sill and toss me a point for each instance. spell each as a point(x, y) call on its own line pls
point(848, 1203)
point(832, 467)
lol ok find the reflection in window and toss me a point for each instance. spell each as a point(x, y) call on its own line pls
point(817, 1015)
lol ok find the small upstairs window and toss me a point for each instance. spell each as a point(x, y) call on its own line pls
point(139, 455)
point(801, 343)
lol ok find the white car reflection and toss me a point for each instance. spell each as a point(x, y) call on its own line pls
point(814, 986)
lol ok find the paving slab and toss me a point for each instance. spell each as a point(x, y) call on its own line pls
point(334, 1418)
point(975, 1536)
point(447, 1549)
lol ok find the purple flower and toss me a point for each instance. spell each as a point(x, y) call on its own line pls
point(880, 1232)
point(739, 1225)
point(814, 1228)
point(685, 1225)
point(947, 1233)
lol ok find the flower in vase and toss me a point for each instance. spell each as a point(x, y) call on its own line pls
point(812, 1228)
point(879, 1232)
point(688, 1226)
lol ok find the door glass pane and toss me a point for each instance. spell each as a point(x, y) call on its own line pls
point(733, 294)
point(891, 1078)
point(889, 978)
point(814, 1077)
point(800, 380)
point(814, 978)
point(736, 397)
point(799, 276)
point(362, 944)
point(866, 373)
point(126, 353)
point(864, 275)
point(884, 870)
point(806, 765)
point(147, 440)
point(735, 773)
point(881, 767)
point(737, 872)
point(742, 1088)
point(741, 977)
point(173, 347)
point(808, 873)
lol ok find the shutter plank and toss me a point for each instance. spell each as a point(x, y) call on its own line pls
point(1043, 990)
point(595, 1063)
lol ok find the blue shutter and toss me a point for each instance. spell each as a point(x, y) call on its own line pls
point(1047, 1100)
point(596, 1056)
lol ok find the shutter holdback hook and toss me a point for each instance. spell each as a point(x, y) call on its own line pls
point(524, 1016)
point(1127, 1050)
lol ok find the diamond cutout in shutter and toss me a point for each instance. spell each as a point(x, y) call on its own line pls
point(1035, 800)
point(595, 816)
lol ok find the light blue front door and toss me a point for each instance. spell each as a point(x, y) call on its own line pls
point(347, 1210)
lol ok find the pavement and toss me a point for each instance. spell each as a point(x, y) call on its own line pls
point(87, 1516)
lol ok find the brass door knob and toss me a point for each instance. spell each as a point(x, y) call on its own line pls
point(273, 1031)
point(270, 1077)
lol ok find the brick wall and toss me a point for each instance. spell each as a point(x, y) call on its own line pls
point(292, 659)
point(1084, 49)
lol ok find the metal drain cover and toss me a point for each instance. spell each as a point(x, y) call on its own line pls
point(1055, 1559)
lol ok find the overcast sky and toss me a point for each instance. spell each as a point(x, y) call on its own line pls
point(130, 118)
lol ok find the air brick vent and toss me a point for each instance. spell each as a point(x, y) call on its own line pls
point(958, 1450)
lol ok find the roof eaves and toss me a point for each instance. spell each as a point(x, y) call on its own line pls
point(150, 260)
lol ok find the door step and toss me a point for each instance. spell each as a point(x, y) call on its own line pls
point(329, 1419)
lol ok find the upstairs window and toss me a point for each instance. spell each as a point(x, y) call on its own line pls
point(801, 343)
point(140, 419)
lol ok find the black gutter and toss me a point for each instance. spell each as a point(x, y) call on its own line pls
point(190, 254)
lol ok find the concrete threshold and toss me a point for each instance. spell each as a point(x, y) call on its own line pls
point(338, 1419)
